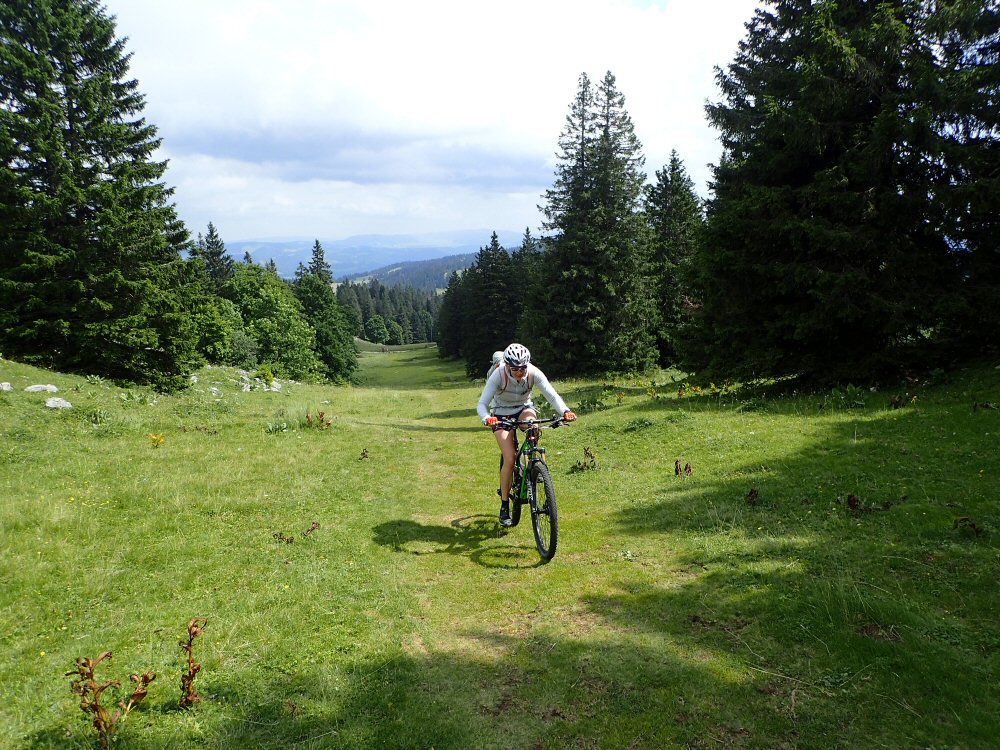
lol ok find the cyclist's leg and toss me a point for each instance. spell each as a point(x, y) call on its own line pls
point(505, 439)
point(524, 416)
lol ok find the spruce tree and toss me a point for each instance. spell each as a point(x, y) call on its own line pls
point(91, 273)
point(347, 296)
point(965, 36)
point(824, 256)
point(527, 263)
point(492, 305)
point(318, 265)
point(593, 311)
point(218, 262)
point(451, 318)
point(675, 218)
point(334, 337)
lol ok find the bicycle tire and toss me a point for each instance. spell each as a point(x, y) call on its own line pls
point(544, 514)
point(515, 498)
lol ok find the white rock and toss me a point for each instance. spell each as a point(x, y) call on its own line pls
point(194, 378)
point(58, 403)
point(41, 388)
point(6, 387)
point(246, 388)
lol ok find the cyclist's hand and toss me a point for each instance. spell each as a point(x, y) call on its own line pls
point(491, 421)
point(569, 416)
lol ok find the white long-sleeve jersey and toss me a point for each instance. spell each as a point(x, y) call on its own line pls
point(511, 395)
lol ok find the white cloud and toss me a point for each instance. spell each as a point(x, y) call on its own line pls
point(334, 117)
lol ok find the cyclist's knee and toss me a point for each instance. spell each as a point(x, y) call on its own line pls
point(508, 455)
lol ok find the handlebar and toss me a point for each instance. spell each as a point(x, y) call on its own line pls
point(550, 423)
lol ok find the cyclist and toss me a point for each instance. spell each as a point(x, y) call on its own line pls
point(495, 363)
point(509, 387)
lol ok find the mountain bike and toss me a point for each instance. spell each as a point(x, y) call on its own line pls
point(532, 484)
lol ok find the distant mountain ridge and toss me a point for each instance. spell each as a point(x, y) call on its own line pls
point(359, 254)
point(426, 275)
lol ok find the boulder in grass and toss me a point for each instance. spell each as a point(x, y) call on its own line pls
point(6, 387)
point(41, 389)
point(58, 403)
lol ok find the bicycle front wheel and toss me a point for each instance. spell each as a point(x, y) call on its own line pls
point(544, 516)
point(515, 493)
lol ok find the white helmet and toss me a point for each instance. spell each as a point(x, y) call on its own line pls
point(497, 358)
point(516, 355)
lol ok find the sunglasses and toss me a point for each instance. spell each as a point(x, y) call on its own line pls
point(518, 369)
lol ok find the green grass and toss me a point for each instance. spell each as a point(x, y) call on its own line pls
point(676, 613)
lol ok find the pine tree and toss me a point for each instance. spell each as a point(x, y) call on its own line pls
point(592, 311)
point(824, 256)
point(675, 218)
point(91, 273)
point(318, 265)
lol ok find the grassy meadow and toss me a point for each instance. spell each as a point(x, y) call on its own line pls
point(826, 576)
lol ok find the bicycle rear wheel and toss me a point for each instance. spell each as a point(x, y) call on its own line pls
point(544, 516)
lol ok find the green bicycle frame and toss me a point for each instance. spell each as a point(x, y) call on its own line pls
point(532, 453)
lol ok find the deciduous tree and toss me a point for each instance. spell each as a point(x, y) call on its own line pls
point(276, 321)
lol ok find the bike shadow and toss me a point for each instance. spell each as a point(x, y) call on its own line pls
point(470, 536)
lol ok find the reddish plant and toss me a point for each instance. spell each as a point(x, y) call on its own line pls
point(91, 691)
point(189, 696)
point(320, 421)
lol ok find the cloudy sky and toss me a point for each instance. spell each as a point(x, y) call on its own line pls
point(331, 118)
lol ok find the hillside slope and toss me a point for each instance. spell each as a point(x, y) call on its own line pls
point(824, 577)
